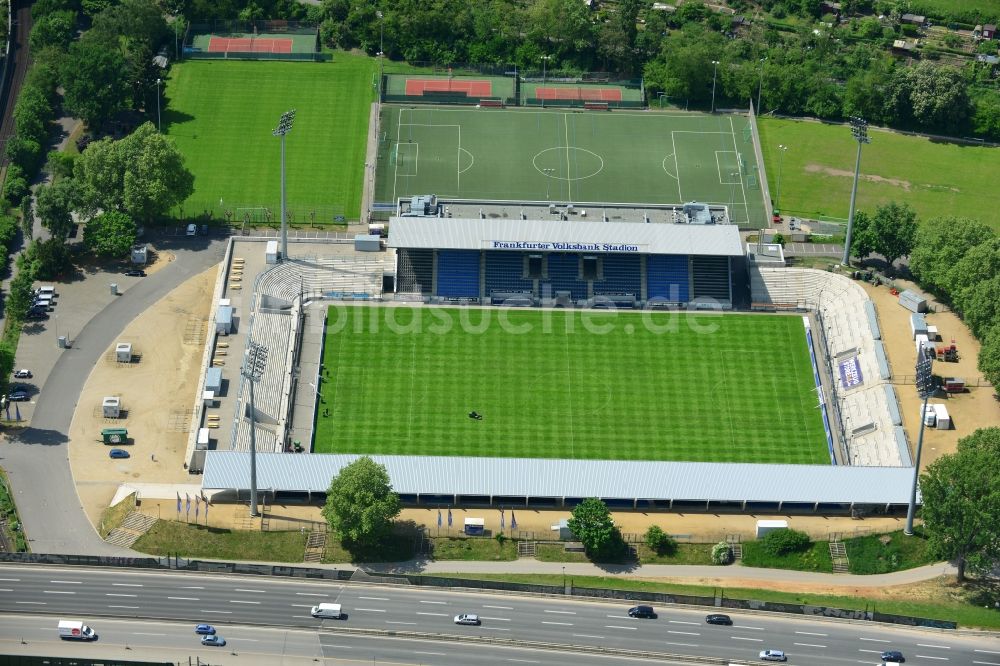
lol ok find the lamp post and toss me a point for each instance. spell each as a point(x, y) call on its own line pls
point(781, 159)
point(760, 83)
point(545, 60)
point(381, 25)
point(159, 127)
point(283, 128)
point(859, 130)
point(925, 386)
point(715, 70)
point(253, 370)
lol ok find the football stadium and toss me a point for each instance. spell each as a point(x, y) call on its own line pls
point(552, 304)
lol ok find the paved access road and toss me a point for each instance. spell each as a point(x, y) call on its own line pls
point(90, 594)
point(36, 459)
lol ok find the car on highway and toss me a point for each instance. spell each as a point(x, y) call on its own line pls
point(214, 640)
point(893, 656)
point(718, 618)
point(773, 655)
point(642, 611)
point(204, 629)
point(118, 453)
point(467, 618)
point(136, 272)
point(23, 373)
point(19, 395)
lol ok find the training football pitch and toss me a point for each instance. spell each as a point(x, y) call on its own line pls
point(543, 155)
point(568, 384)
point(221, 115)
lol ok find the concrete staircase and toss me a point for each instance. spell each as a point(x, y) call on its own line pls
point(134, 526)
point(838, 553)
point(315, 547)
point(736, 545)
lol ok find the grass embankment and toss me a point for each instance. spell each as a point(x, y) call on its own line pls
point(8, 511)
point(113, 516)
point(197, 541)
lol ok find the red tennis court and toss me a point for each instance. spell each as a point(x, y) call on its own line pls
point(471, 87)
point(586, 94)
point(249, 45)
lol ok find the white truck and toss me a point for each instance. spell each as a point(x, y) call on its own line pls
point(328, 611)
point(73, 630)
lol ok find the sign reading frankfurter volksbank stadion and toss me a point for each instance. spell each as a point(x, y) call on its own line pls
point(561, 247)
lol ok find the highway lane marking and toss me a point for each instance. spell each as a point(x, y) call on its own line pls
point(986, 663)
point(560, 612)
point(11, 580)
point(873, 651)
point(130, 607)
point(313, 594)
point(682, 622)
point(926, 656)
point(371, 610)
point(393, 622)
point(434, 614)
point(237, 601)
point(248, 640)
point(143, 633)
point(301, 606)
point(432, 654)
point(497, 629)
point(620, 617)
point(216, 611)
point(810, 633)
point(341, 647)
point(686, 633)
point(374, 598)
point(987, 651)
point(193, 587)
point(304, 617)
point(496, 619)
point(524, 661)
point(561, 624)
point(809, 645)
point(442, 603)
point(57, 592)
point(239, 589)
point(68, 582)
point(936, 647)
point(126, 585)
point(681, 644)
point(184, 598)
point(500, 607)
point(743, 626)
point(31, 603)
point(874, 640)
point(6, 589)
point(116, 594)
point(612, 626)
point(587, 636)
point(743, 638)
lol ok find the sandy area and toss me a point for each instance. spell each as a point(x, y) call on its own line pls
point(977, 408)
point(155, 391)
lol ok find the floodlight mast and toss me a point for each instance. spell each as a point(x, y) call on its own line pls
point(253, 370)
point(859, 130)
point(283, 128)
point(925, 386)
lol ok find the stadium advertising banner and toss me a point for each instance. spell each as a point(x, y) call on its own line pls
point(562, 247)
point(850, 373)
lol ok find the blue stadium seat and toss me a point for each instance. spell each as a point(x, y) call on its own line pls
point(458, 274)
point(504, 271)
point(621, 275)
point(667, 277)
point(564, 271)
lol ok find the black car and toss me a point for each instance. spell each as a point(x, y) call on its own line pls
point(19, 396)
point(136, 273)
point(642, 611)
point(718, 618)
point(37, 314)
point(893, 656)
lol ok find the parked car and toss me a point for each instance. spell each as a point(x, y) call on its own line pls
point(119, 453)
point(204, 629)
point(718, 618)
point(214, 640)
point(23, 373)
point(642, 611)
point(37, 314)
point(893, 656)
point(772, 655)
point(19, 395)
point(136, 272)
point(467, 618)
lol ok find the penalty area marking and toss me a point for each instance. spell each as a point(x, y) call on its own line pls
point(664, 165)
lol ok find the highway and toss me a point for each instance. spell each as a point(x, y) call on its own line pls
point(92, 594)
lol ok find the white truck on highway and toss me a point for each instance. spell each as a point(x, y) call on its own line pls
point(72, 630)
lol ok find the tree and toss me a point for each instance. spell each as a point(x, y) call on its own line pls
point(938, 95)
point(862, 236)
point(93, 79)
point(784, 541)
point(893, 229)
point(592, 525)
point(979, 265)
point(940, 244)
point(989, 356)
point(981, 307)
point(56, 29)
point(54, 206)
point(51, 257)
point(961, 505)
point(360, 504)
point(659, 541)
point(111, 235)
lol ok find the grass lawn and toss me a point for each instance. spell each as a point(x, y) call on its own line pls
point(195, 541)
point(221, 115)
point(949, 7)
point(882, 553)
point(814, 558)
point(450, 548)
point(933, 599)
point(935, 178)
point(551, 384)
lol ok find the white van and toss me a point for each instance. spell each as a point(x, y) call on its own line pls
point(72, 630)
point(328, 611)
point(46, 291)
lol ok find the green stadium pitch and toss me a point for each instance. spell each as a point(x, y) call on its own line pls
point(620, 157)
point(568, 385)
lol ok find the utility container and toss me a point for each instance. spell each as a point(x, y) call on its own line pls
point(114, 435)
point(921, 342)
point(918, 325)
point(913, 301)
point(954, 385)
point(203, 442)
point(367, 243)
point(943, 418)
point(123, 352)
point(271, 252)
point(224, 320)
point(930, 416)
point(213, 380)
point(111, 406)
point(475, 526)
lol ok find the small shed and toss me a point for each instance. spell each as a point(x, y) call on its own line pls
point(224, 320)
point(111, 407)
point(114, 435)
point(918, 324)
point(475, 526)
point(367, 243)
point(140, 255)
point(913, 301)
point(989, 31)
point(271, 252)
point(213, 380)
point(123, 352)
point(943, 418)
point(913, 19)
point(765, 526)
point(203, 439)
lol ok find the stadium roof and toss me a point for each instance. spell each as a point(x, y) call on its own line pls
point(561, 236)
point(607, 479)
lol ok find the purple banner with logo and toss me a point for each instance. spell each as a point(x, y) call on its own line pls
point(850, 373)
